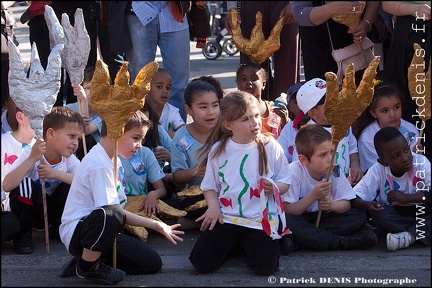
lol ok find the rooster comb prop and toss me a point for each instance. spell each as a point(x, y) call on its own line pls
point(117, 103)
point(257, 47)
point(343, 107)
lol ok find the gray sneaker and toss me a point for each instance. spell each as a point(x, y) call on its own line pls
point(398, 240)
point(101, 273)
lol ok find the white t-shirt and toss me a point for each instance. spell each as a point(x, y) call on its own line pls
point(367, 152)
point(68, 165)
point(346, 147)
point(170, 118)
point(379, 180)
point(287, 140)
point(302, 183)
point(92, 187)
point(11, 149)
point(234, 175)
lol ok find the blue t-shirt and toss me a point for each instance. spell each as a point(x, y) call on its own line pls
point(138, 170)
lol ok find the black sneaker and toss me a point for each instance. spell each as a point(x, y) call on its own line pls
point(101, 273)
point(69, 268)
point(23, 243)
point(287, 245)
point(363, 239)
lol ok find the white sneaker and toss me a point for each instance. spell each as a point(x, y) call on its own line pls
point(398, 240)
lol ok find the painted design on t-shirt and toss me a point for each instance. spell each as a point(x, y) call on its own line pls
point(246, 186)
point(9, 159)
point(222, 175)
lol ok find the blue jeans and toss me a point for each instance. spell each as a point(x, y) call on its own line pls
point(175, 52)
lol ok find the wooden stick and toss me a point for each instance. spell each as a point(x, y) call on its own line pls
point(115, 185)
point(333, 161)
point(45, 210)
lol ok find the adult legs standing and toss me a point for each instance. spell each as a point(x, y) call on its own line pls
point(175, 52)
point(286, 60)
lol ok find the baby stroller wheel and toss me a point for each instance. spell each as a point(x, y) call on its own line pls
point(212, 50)
point(229, 47)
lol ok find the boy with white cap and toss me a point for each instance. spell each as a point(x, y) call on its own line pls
point(310, 99)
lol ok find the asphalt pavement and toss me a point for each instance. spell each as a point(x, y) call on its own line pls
point(410, 267)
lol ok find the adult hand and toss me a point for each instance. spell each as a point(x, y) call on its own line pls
point(359, 32)
point(287, 14)
point(228, 22)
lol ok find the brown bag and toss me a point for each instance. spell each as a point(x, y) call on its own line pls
point(359, 54)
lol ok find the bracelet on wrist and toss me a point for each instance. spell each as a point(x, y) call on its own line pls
point(400, 14)
point(369, 23)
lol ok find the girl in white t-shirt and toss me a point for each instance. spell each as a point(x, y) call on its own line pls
point(245, 174)
point(385, 110)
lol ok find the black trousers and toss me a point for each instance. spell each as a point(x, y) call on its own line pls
point(330, 228)
point(215, 246)
point(10, 226)
point(415, 219)
point(98, 231)
point(26, 202)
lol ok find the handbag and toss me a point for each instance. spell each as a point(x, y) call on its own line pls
point(358, 54)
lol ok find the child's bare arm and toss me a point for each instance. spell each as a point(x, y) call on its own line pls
point(14, 177)
point(320, 191)
point(169, 232)
point(150, 204)
point(340, 206)
point(268, 187)
point(396, 197)
point(46, 171)
point(355, 173)
point(213, 213)
point(187, 175)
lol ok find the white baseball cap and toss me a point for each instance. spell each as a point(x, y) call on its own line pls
point(310, 94)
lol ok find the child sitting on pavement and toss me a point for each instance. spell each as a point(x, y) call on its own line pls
point(139, 170)
point(395, 191)
point(385, 110)
point(252, 78)
point(310, 99)
point(340, 227)
point(51, 160)
point(15, 215)
point(202, 99)
point(246, 174)
point(159, 142)
point(158, 96)
point(287, 136)
point(93, 216)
